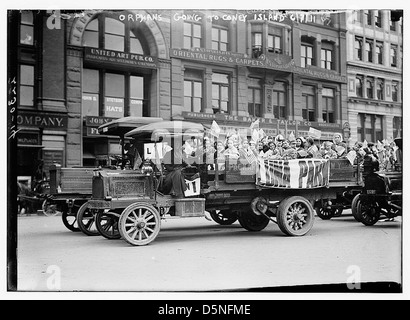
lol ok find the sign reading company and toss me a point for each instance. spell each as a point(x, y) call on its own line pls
point(119, 58)
point(42, 120)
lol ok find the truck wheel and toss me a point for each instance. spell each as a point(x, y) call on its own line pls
point(139, 224)
point(224, 217)
point(323, 212)
point(49, 209)
point(295, 216)
point(252, 222)
point(107, 224)
point(70, 221)
point(86, 221)
point(368, 212)
point(355, 204)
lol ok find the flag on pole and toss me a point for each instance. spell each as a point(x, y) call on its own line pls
point(255, 125)
point(215, 129)
point(262, 134)
point(314, 133)
point(255, 135)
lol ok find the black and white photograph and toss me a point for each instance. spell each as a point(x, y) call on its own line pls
point(219, 151)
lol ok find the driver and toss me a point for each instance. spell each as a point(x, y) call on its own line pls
point(173, 163)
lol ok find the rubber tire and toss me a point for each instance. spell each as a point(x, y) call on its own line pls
point(363, 216)
point(282, 216)
point(70, 226)
point(325, 214)
point(355, 204)
point(252, 222)
point(48, 209)
point(113, 218)
point(86, 229)
point(125, 217)
point(223, 217)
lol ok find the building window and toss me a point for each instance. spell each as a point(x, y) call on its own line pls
point(279, 100)
point(219, 39)
point(378, 18)
point(220, 93)
point(393, 55)
point(368, 17)
point(328, 105)
point(358, 46)
point(369, 88)
point(114, 85)
point(380, 89)
point(122, 95)
point(308, 103)
point(395, 91)
point(90, 36)
point(392, 25)
point(136, 101)
point(326, 59)
point(114, 34)
point(107, 32)
point(255, 102)
point(397, 127)
point(91, 92)
point(359, 86)
point(26, 89)
point(27, 28)
point(369, 50)
point(369, 127)
point(306, 55)
point(256, 44)
point(379, 52)
point(192, 35)
point(193, 91)
point(274, 43)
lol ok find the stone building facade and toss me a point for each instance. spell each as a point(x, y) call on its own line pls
point(78, 70)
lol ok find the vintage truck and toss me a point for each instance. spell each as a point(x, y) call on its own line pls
point(285, 192)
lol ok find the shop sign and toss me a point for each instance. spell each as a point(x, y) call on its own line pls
point(42, 120)
point(275, 61)
point(230, 123)
point(103, 56)
point(31, 139)
point(93, 121)
point(114, 107)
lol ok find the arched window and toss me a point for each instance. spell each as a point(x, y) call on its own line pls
point(109, 91)
point(106, 31)
point(359, 86)
point(369, 88)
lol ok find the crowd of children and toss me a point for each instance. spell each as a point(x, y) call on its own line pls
point(388, 155)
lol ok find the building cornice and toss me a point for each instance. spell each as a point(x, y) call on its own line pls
point(374, 68)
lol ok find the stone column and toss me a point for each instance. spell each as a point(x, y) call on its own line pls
point(207, 107)
point(74, 95)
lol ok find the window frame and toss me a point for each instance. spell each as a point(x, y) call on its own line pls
point(126, 91)
point(192, 36)
point(221, 87)
point(27, 85)
point(325, 106)
point(305, 58)
point(274, 48)
point(358, 51)
point(127, 36)
point(219, 42)
point(252, 105)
